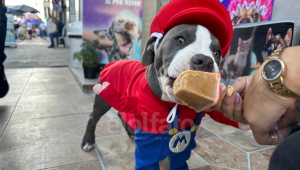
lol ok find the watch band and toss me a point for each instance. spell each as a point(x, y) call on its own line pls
point(278, 85)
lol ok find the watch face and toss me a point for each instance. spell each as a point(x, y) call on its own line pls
point(272, 70)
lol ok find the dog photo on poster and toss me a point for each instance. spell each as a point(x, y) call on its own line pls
point(251, 46)
point(114, 27)
point(249, 11)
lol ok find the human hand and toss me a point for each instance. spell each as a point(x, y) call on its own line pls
point(98, 88)
point(231, 102)
point(263, 108)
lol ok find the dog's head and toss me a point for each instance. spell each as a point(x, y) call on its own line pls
point(247, 16)
point(276, 42)
point(125, 30)
point(184, 47)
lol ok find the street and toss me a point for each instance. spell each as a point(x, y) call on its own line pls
point(35, 53)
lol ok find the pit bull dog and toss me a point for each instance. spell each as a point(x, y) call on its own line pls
point(142, 91)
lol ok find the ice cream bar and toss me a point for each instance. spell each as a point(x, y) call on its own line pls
point(198, 90)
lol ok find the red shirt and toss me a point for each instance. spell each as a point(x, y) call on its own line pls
point(130, 94)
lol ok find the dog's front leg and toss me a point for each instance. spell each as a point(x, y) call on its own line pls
point(99, 109)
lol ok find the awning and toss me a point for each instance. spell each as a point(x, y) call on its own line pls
point(13, 11)
point(23, 8)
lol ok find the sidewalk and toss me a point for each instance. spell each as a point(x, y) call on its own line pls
point(45, 115)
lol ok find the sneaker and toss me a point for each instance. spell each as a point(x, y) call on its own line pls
point(51, 46)
point(4, 87)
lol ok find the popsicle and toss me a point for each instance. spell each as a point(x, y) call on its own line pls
point(198, 90)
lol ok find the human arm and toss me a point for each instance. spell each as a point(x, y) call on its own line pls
point(118, 101)
point(263, 107)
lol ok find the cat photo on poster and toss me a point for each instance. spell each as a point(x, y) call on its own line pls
point(251, 46)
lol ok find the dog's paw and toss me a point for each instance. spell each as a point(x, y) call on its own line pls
point(88, 143)
point(88, 147)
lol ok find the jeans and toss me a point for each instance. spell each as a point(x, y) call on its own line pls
point(3, 27)
point(52, 35)
point(43, 33)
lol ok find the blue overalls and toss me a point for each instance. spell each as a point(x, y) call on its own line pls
point(152, 148)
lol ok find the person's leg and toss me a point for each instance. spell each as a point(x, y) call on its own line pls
point(3, 26)
point(287, 154)
point(52, 35)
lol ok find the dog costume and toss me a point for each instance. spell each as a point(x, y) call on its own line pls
point(130, 93)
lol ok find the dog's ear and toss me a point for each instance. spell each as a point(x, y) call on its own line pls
point(269, 35)
point(148, 55)
point(288, 37)
point(240, 42)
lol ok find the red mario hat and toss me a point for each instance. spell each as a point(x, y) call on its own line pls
point(208, 13)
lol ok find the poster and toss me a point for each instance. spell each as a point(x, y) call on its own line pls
point(72, 10)
point(10, 39)
point(249, 11)
point(251, 46)
point(114, 27)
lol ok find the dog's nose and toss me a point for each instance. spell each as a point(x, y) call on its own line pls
point(202, 63)
point(245, 20)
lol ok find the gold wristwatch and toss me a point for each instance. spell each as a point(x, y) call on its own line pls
point(274, 71)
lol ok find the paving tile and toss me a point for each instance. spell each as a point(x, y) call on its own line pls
point(245, 140)
point(64, 123)
point(218, 128)
point(211, 167)
point(9, 100)
point(87, 108)
point(217, 151)
point(24, 159)
point(104, 129)
point(19, 71)
point(48, 70)
point(5, 112)
point(28, 138)
point(115, 145)
point(44, 99)
point(202, 133)
point(205, 118)
point(48, 88)
point(78, 100)
point(46, 78)
point(89, 165)
point(44, 110)
point(260, 160)
point(66, 150)
point(79, 93)
point(18, 78)
point(193, 162)
point(16, 88)
point(120, 162)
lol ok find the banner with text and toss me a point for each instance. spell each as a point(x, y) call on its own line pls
point(114, 27)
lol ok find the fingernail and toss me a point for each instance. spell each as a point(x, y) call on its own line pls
point(230, 90)
point(223, 88)
point(237, 98)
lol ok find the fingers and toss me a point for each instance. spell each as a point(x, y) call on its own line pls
point(241, 84)
point(98, 88)
point(228, 103)
point(244, 127)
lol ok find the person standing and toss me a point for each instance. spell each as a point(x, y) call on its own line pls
point(4, 87)
point(43, 30)
point(29, 29)
point(57, 32)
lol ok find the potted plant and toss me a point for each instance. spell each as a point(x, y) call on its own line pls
point(89, 58)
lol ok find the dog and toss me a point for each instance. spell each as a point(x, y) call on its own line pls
point(244, 15)
point(142, 91)
point(276, 42)
point(124, 31)
point(234, 65)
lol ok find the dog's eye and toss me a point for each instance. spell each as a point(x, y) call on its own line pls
point(180, 40)
point(236, 19)
point(255, 17)
point(217, 53)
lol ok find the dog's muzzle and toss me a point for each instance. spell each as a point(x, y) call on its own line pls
point(202, 63)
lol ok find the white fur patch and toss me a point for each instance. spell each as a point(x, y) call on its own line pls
point(181, 61)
